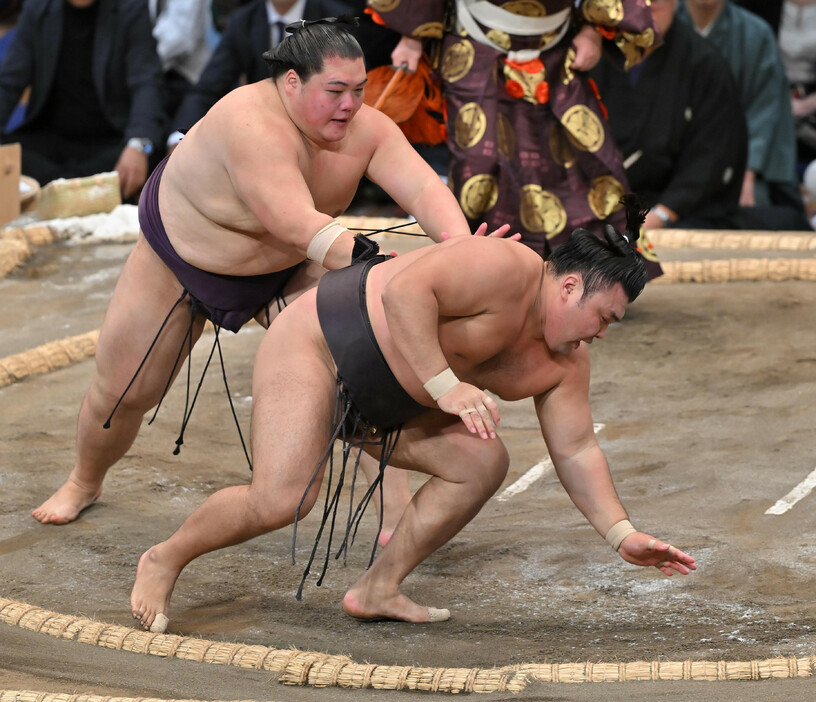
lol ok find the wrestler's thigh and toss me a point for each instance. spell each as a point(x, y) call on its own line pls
point(293, 402)
point(144, 294)
point(439, 444)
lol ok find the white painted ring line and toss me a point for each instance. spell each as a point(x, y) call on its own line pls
point(801, 491)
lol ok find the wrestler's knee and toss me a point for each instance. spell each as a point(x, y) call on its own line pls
point(495, 464)
point(102, 397)
point(272, 507)
point(482, 464)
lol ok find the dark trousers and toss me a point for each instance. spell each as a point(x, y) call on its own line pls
point(47, 156)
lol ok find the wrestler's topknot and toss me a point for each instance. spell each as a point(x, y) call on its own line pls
point(635, 217)
point(310, 43)
point(604, 262)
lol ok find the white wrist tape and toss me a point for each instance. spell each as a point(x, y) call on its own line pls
point(441, 383)
point(321, 242)
point(618, 532)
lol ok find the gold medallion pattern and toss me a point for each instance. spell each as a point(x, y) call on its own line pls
point(542, 211)
point(560, 148)
point(633, 46)
point(567, 73)
point(584, 128)
point(433, 30)
point(384, 5)
point(604, 196)
point(603, 12)
point(479, 194)
point(506, 137)
point(525, 8)
point(470, 126)
point(457, 61)
point(499, 38)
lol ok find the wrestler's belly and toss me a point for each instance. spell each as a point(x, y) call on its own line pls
point(230, 253)
point(218, 235)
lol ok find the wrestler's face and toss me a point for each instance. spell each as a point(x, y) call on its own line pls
point(573, 318)
point(327, 102)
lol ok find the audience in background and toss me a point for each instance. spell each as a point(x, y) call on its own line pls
point(91, 75)
point(770, 186)
point(678, 121)
point(797, 46)
point(96, 95)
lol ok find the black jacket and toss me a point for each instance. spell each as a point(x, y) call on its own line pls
point(127, 73)
point(681, 126)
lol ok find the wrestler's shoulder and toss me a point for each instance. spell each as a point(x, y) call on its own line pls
point(499, 248)
point(256, 103)
point(510, 264)
point(374, 124)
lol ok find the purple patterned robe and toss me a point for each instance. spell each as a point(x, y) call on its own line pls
point(528, 140)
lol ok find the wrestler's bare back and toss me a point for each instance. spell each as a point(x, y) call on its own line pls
point(244, 179)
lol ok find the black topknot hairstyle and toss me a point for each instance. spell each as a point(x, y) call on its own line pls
point(310, 43)
point(604, 262)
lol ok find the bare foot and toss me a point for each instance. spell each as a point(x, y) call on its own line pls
point(399, 607)
point(152, 589)
point(65, 504)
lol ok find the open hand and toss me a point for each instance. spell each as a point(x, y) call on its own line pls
point(478, 411)
point(644, 550)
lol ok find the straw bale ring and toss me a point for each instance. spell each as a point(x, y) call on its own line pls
point(13, 252)
point(48, 357)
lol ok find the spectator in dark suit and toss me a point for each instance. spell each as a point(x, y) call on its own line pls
point(95, 80)
point(256, 27)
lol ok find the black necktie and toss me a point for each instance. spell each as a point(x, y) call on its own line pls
point(279, 31)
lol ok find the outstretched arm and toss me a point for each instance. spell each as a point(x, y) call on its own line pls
point(399, 170)
point(582, 468)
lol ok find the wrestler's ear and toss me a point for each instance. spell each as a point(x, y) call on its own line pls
point(570, 285)
point(291, 81)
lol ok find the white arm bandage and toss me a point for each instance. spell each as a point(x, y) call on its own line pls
point(321, 242)
point(441, 383)
point(618, 532)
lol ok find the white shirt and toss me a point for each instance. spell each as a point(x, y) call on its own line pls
point(797, 42)
point(181, 31)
